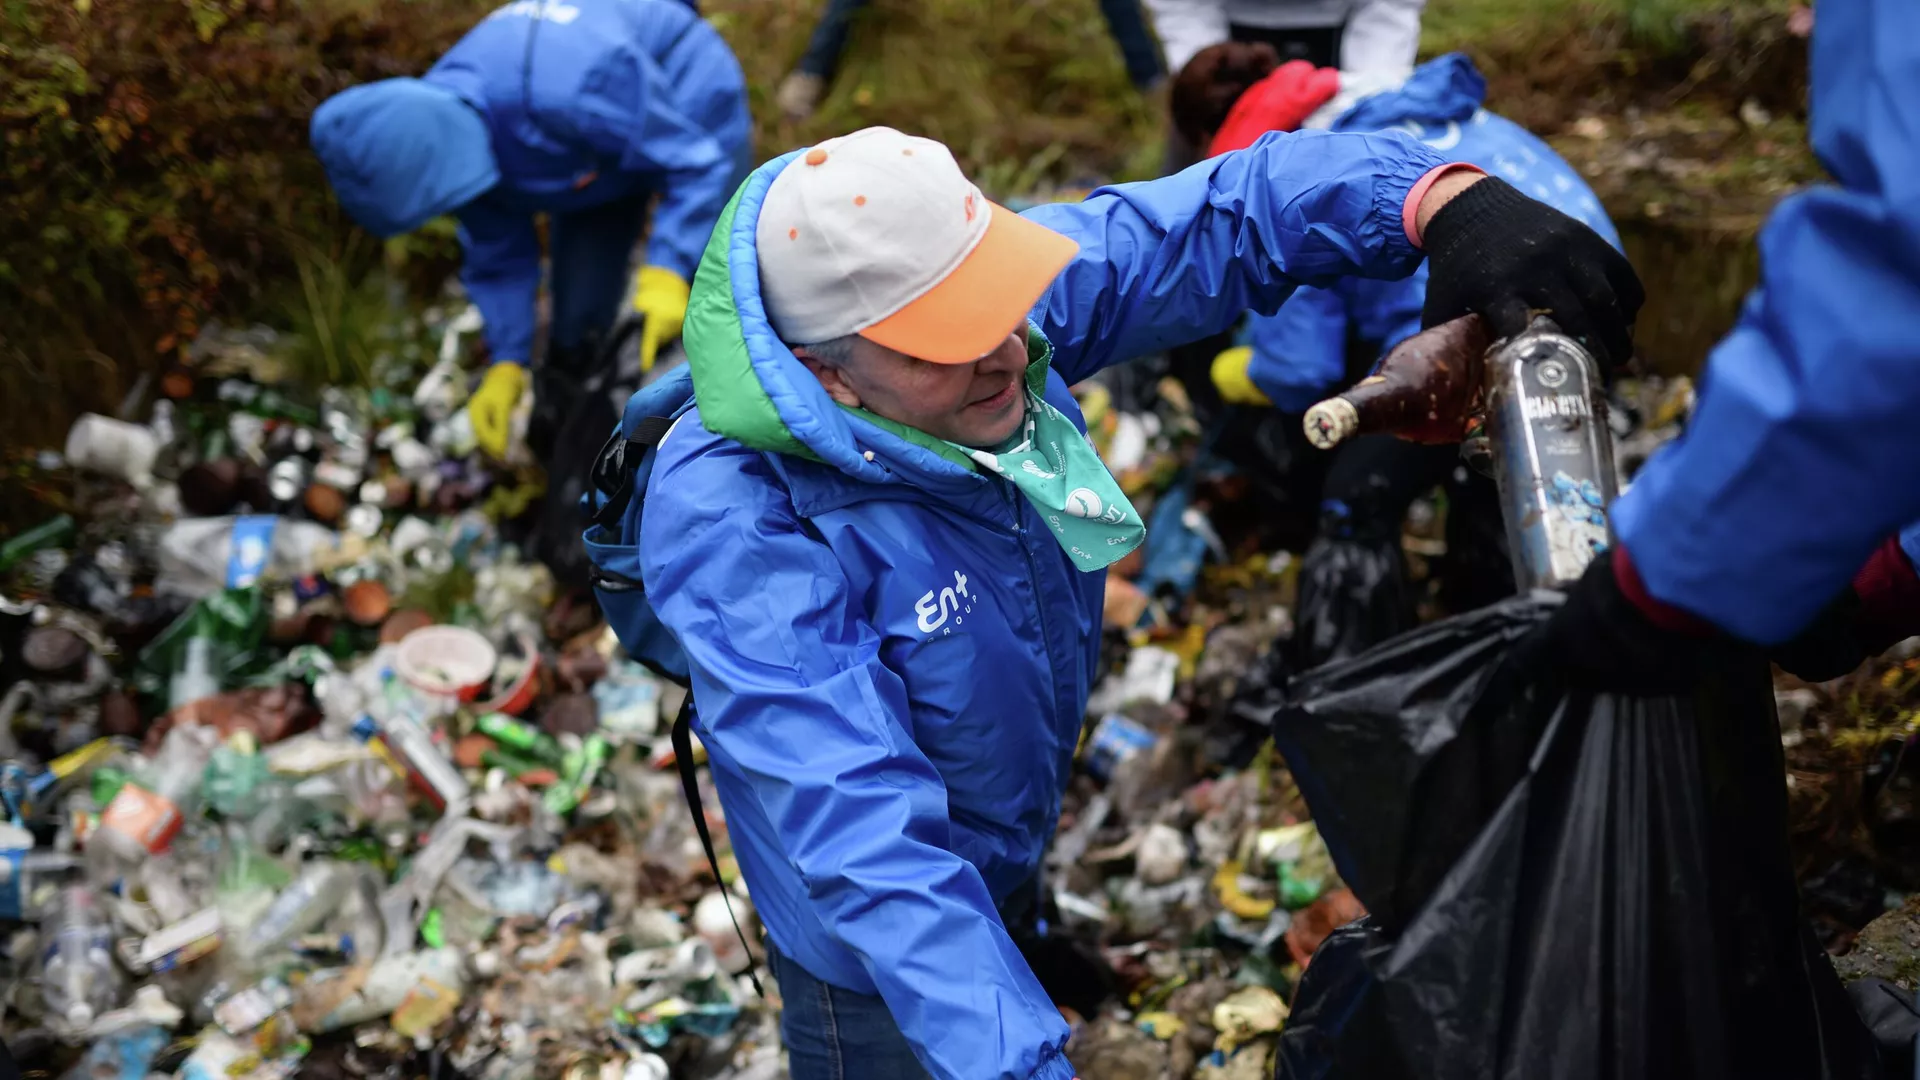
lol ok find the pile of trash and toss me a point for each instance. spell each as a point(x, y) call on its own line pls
point(305, 768)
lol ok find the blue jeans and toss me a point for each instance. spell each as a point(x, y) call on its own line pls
point(1138, 50)
point(591, 251)
point(835, 1034)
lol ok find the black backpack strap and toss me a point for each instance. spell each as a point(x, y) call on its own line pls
point(690, 783)
point(649, 431)
point(618, 463)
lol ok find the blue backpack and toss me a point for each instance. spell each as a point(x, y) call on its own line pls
point(615, 498)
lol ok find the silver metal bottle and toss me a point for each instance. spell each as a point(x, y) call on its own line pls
point(1552, 454)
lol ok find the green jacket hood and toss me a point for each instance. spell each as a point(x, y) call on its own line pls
point(751, 388)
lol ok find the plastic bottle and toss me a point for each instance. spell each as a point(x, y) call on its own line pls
point(147, 812)
point(237, 782)
point(201, 555)
point(30, 877)
point(522, 738)
point(164, 883)
point(125, 1053)
point(314, 896)
point(197, 673)
point(51, 533)
point(266, 402)
point(428, 764)
point(1424, 390)
point(78, 981)
point(326, 1003)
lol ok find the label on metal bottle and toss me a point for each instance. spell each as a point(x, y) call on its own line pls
point(1546, 418)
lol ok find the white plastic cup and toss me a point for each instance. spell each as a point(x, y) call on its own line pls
point(113, 448)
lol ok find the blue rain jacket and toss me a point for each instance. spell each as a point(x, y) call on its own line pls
point(580, 103)
point(1299, 353)
point(1798, 459)
point(889, 652)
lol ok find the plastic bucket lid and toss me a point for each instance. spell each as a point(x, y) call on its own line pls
point(447, 660)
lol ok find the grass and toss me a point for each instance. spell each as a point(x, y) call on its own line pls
point(1031, 93)
point(1023, 91)
point(1654, 25)
point(336, 315)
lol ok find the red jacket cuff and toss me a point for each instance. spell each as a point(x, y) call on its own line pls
point(1658, 612)
point(1410, 209)
point(1889, 593)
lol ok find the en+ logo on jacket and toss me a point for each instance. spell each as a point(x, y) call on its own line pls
point(935, 609)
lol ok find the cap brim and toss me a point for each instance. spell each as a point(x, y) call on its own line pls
point(987, 297)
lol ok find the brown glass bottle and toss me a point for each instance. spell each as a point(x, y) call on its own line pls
point(1425, 390)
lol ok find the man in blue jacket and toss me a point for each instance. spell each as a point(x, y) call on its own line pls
point(1795, 472)
point(584, 110)
point(880, 534)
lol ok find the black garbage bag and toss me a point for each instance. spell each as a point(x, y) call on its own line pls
point(1354, 591)
point(576, 406)
point(1338, 1026)
point(1353, 595)
point(1476, 570)
point(1563, 886)
point(1892, 1014)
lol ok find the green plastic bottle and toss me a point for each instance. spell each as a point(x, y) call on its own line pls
point(48, 534)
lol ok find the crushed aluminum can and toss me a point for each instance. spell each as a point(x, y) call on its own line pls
point(335, 474)
point(363, 519)
point(287, 479)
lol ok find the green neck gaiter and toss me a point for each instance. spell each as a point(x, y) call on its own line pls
point(1062, 475)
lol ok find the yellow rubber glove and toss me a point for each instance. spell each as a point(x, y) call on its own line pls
point(661, 297)
point(1231, 379)
point(491, 406)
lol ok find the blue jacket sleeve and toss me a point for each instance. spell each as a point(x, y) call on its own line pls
point(1387, 312)
point(1171, 260)
point(502, 275)
point(1910, 542)
point(1800, 455)
point(629, 113)
point(1300, 351)
point(792, 694)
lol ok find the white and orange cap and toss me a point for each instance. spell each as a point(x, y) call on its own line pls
point(878, 233)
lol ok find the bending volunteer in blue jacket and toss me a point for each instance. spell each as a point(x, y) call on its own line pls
point(1352, 583)
point(1796, 467)
point(581, 109)
point(1298, 354)
point(880, 534)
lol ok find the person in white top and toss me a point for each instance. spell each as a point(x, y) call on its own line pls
point(1353, 35)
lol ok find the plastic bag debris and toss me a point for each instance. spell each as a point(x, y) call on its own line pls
point(1246, 1015)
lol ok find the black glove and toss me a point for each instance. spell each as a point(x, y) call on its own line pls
point(1601, 640)
point(1498, 253)
point(1832, 645)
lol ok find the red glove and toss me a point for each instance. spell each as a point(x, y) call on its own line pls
point(1280, 102)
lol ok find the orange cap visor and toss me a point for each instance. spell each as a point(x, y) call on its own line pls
point(988, 296)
